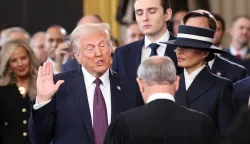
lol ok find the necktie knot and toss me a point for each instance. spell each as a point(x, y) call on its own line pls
point(97, 82)
point(153, 47)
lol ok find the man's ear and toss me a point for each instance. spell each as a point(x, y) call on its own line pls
point(206, 54)
point(176, 83)
point(76, 54)
point(168, 14)
point(140, 83)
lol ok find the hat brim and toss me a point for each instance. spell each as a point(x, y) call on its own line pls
point(194, 45)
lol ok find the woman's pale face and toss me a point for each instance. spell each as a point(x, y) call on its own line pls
point(19, 62)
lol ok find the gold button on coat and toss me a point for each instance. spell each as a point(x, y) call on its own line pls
point(24, 110)
point(24, 122)
point(25, 134)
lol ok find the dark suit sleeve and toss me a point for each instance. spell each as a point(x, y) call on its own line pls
point(117, 132)
point(42, 123)
point(243, 74)
point(210, 131)
point(115, 62)
point(64, 68)
point(226, 109)
point(240, 129)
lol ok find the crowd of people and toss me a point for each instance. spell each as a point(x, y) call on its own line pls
point(171, 81)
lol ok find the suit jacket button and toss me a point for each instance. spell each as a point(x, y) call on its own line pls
point(6, 124)
point(24, 110)
point(25, 134)
point(24, 122)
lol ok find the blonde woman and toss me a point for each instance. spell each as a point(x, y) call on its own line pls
point(18, 75)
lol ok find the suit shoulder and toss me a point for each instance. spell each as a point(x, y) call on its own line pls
point(194, 113)
point(73, 61)
point(125, 79)
point(132, 45)
point(232, 64)
point(243, 84)
point(221, 79)
point(64, 75)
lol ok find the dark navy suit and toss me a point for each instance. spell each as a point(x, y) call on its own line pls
point(127, 58)
point(211, 95)
point(70, 65)
point(67, 120)
point(228, 69)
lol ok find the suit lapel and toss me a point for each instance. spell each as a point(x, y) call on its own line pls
point(180, 95)
point(77, 85)
point(116, 94)
point(201, 84)
point(218, 67)
point(134, 57)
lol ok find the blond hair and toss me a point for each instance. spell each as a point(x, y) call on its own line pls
point(6, 77)
point(85, 30)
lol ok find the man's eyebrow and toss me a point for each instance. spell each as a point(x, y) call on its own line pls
point(151, 8)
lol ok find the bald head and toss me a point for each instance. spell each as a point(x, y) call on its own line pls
point(37, 44)
point(90, 19)
point(54, 36)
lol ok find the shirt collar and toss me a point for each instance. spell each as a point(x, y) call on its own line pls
point(242, 52)
point(210, 63)
point(165, 37)
point(89, 78)
point(156, 96)
point(193, 74)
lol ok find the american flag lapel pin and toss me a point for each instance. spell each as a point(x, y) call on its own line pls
point(218, 73)
point(118, 87)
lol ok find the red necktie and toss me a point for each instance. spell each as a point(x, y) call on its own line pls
point(100, 120)
point(238, 56)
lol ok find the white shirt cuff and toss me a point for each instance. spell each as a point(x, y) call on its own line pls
point(36, 106)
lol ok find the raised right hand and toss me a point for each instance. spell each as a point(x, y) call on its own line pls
point(45, 84)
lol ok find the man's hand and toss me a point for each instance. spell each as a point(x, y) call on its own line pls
point(45, 84)
point(62, 55)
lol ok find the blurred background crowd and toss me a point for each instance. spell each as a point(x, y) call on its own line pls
point(34, 31)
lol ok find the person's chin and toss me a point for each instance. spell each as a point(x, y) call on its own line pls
point(181, 64)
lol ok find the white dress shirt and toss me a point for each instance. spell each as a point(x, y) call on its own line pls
point(189, 78)
point(146, 50)
point(90, 88)
point(54, 65)
point(210, 63)
point(242, 52)
point(156, 96)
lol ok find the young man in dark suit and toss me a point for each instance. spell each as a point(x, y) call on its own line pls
point(160, 120)
point(217, 65)
point(199, 88)
point(88, 98)
point(151, 17)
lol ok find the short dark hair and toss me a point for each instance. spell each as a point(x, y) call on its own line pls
point(202, 13)
point(164, 3)
point(221, 20)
